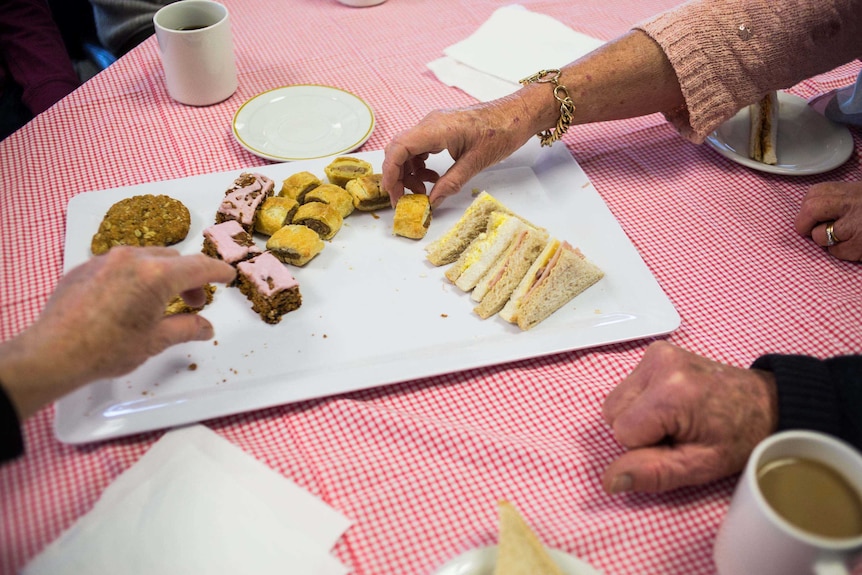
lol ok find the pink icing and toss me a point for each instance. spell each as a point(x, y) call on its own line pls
point(222, 235)
point(265, 269)
point(241, 202)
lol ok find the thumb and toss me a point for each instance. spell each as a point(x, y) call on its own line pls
point(662, 468)
point(180, 328)
point(455, 178)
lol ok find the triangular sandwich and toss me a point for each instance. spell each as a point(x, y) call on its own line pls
point(483, 252)
point(519, 550)
point(496, 286)
point(446, 249)
point(560, 273)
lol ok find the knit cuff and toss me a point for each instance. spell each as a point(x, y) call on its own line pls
point(807, 398)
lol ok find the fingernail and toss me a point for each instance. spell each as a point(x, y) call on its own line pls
point(621, 483)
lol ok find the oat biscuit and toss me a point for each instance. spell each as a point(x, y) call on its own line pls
point(146, 220)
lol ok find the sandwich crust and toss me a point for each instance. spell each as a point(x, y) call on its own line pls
point(496, 287)
point(447, 248)
point(763, 121)
point(519, 549)
point(569, 275)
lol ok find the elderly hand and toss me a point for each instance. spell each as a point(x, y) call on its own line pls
point(686, 420)
point(475, 137)
point(105, 318)
point(839, 203)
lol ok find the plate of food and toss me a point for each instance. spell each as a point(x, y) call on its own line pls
point(303, 121)
point(369, 308)
point(519, 550)
point(800, 140)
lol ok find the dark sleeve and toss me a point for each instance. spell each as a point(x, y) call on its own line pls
point(34, 53)
point(821, 395)
point(11, 440)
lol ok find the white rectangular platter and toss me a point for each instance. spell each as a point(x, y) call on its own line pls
point(374, 310)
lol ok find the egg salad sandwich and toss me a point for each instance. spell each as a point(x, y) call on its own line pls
point(519, 549)
point(473, 222)
point(496, 286)
point(763, 137)
point(557, 275)
point(483, 252)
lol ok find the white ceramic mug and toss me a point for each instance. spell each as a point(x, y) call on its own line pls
point(755, 540)
point(196, 46)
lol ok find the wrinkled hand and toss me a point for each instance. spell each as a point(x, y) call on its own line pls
point(839, 202)
point(105, 318)
point(476, 137)
point(686, 420)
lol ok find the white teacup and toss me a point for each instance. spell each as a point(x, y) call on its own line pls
point(197, 51)
point(756, 539)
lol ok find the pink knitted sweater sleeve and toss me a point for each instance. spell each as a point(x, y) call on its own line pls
point(728, 53)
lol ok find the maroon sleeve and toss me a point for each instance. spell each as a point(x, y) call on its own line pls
point(34, 53)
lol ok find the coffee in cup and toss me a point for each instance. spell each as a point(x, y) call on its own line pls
point(797, 508)
point(812, 496)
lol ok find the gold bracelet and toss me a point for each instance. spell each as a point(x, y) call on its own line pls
point(567, 107)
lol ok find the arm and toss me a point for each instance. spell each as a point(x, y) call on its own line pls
point(33, 49)
point(692, 63)
point(632, 68)
point(105, 318)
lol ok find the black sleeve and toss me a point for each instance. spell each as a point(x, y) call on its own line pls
point(821, 395)
point(11, 440)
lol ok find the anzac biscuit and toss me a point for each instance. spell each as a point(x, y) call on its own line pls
point(145, 220)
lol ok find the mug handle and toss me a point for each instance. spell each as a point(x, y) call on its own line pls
point(831, 564)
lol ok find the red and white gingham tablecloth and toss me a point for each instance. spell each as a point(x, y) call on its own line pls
point(419, 466)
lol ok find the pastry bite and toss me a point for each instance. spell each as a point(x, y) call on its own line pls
point(294, 244)
point(243, 199)
point(275, 213)
point(320, 217)
point(299, 184)
point(230, 242)
point(367, 193)
point(345, 168)
point(269, 286)
point(335, 196)
point(412, 216)
point(145, 220)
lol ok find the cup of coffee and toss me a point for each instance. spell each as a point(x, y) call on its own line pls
point(797, 509)
point(196, 47)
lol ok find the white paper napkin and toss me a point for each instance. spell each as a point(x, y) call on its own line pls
point(512, 44)
point(195, 503)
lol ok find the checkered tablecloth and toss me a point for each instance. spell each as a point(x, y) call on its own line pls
point(419, 466)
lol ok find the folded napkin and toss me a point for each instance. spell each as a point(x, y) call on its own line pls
point(195, 503)
point(512, 44)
